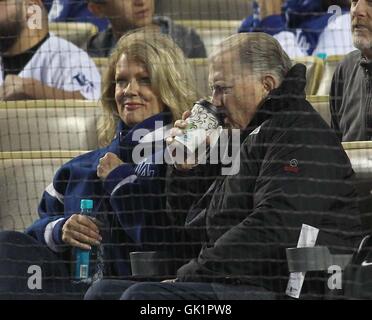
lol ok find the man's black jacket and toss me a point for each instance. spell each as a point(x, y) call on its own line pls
point(293, 171)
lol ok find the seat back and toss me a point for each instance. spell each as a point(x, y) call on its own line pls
point(314, 72)
point(330, 65)
point(321, 104)
point(102, 65)
point(358, 274)
point(314, 263)
point(360, 155)
point(205, 9)
point(76, 32)
point(212, 32)
point(200, 69)
point(316, 258)
point(24, 176)
point(49, 125)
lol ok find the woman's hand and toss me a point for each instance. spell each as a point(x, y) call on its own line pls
point(108, 163)
point(80, 231)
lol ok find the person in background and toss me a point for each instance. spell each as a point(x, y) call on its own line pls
point(37, 65)
point(126, 15)
point(75, 11)
point(351, 89)
point(298, 25)
point(129, 202)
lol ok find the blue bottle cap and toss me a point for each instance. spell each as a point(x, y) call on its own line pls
point(322, 56)
point(86, 204)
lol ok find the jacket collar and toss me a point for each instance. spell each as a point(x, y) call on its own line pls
point(124, 142)
point(366, 65)
point(292, 87)
point(125, 133)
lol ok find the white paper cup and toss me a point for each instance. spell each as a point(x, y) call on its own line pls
point(204, 119)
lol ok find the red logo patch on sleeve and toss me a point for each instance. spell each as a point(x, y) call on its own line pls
point(292, 166)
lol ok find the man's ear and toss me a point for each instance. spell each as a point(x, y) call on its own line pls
point(269, 82)
point(96, 9)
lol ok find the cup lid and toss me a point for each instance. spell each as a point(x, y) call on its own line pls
point(86, 204)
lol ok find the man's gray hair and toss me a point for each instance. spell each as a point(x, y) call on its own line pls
point(261, 52)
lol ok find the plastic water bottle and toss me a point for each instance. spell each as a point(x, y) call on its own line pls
point(82, 256)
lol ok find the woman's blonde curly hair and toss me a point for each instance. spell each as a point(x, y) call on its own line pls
point(169, 71)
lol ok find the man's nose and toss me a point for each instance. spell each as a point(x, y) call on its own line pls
point(217, 99)
point(359, 9)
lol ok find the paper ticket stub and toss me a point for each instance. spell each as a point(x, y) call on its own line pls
point(308, 236)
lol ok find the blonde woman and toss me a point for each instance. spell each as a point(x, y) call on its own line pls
point(148, 80)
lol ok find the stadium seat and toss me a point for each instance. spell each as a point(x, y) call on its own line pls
point(314, 263)
point(48, 125)
point(360, 155)
point(102, 64)
point(212, 32)
point(205, 9)
point(330, 65)
point(24, 176)
point(76, 32)
point(321, 104)
point(316, 258)
point(200, 68)
point(319, 258)
point(314, 72)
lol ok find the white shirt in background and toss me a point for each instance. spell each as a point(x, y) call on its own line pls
point(336, 38)
point(60, 64)
point(289, 43)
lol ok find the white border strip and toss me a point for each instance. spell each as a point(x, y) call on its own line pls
point(48, 236)
point(53, 192)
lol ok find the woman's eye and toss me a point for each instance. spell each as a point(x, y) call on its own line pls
point(145, 81)
point(121, 82)
point(221, 89)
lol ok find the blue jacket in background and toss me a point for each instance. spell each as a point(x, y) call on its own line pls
point(75, 11)
point(130, 203)
point(305, 18)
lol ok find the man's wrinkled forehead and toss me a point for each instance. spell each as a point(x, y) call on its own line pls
point(224, 65)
